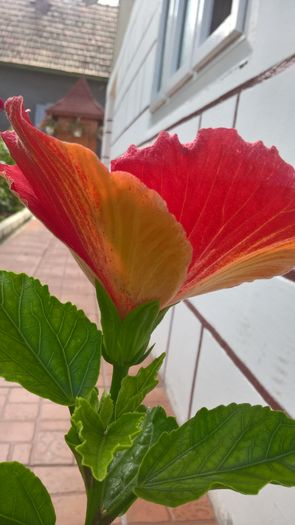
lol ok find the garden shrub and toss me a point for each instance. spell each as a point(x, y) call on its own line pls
point(9, 203)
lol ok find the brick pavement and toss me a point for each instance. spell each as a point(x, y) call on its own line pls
point(32, 429)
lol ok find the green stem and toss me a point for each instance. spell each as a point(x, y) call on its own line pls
point(115, 511)
point(93, 513)
point(119, 372)
point(93, 488)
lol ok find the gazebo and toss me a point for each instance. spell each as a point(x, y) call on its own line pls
point(77, 117)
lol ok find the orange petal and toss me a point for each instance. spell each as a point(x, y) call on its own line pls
point(120, 229)
point(261, 264)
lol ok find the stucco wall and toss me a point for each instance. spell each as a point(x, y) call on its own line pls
point(238, 344)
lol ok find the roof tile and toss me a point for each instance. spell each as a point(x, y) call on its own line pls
point(70, 37)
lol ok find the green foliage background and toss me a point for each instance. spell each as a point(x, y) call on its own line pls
point(9, 203)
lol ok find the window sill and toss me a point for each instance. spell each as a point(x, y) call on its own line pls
point(210, 49)
point(173, 84)
point(158, 100)
point(179, 78)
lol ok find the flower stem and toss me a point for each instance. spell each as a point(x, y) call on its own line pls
point(119, 372)
point(93, 513)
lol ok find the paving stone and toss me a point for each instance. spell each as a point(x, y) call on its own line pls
point(4, 451)
point(70, 509)
point(21, 452)
point(100, 381)
point(92, 316)
point(158, 397)
point(50, 447)
point(60, 480)
point(133, 370)
point(2, 401)
point(12, 431)
point(195, 522)
point(196, 510)
point(79, 285)
point(21, 411)
point(53, 411)
point(20, 395)
point(54, 424)
point(145, 512)
point(107, 372)
point(7, 385)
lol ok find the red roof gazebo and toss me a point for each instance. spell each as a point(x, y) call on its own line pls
point(77, 117)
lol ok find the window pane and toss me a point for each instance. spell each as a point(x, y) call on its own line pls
point(221, 9)
point(188, 28)
point(166, 51)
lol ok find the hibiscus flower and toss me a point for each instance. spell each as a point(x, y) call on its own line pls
point(170, 221)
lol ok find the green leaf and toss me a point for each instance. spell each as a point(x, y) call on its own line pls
point(92, 397)
point(135, 388)
point(125, 340)
point(50, 348)
point(239, 447)
point(109, 318)
point(72, 437)
point(105, 409)
point(23, 498)
point(121, 481)
point(137, 328)
point(99, 444)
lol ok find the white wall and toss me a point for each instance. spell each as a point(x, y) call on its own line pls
point(251, 85)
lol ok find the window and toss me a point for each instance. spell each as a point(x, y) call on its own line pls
point(219, 23)
point(192, 32)
point(187, 32)
point(217, 11)
point(170, 13)
point(176, 41)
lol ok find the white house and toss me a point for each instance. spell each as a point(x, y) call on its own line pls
point(186, 64)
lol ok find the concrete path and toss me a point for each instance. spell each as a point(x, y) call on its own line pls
point(32, 429)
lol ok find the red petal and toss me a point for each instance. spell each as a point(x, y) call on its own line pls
point(116, 225)
point(235, 201)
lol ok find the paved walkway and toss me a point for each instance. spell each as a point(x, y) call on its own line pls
point(32, 429)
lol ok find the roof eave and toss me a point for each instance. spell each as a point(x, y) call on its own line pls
point(46, 69)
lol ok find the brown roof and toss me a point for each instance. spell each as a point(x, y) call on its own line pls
point(71, 36)
point(78, 102)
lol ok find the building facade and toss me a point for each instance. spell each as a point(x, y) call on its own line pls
point(46, 45)
point(189, 64)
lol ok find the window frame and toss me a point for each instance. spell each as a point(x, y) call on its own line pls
point(204, 50)
point(207, 47)
point(158, 96)
point(181, 75)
